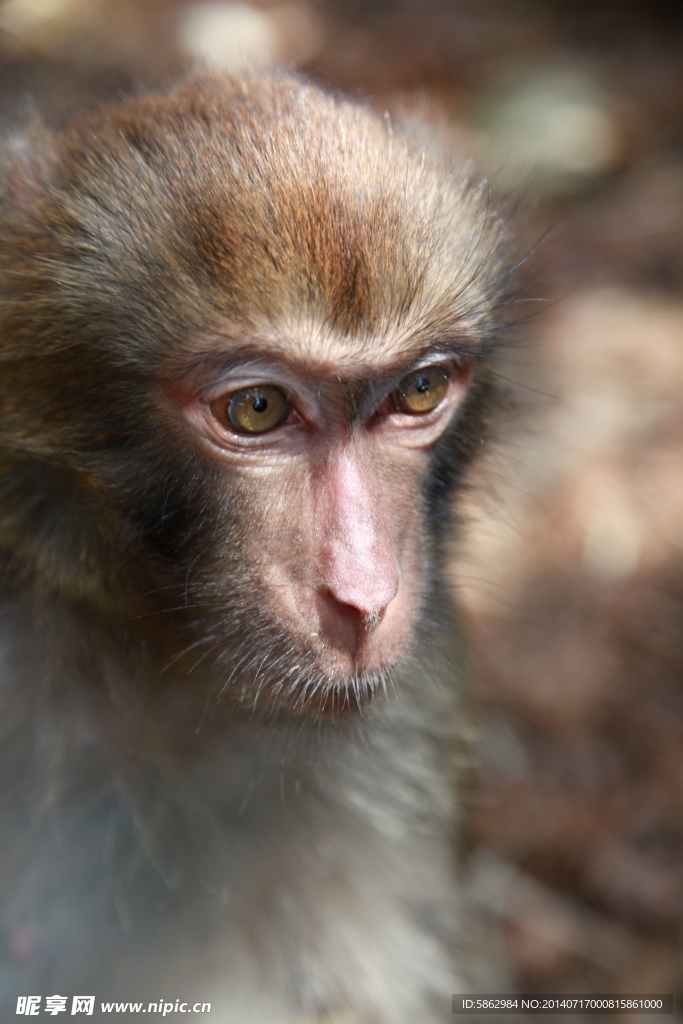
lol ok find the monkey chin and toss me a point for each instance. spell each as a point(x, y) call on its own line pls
point(317, 682)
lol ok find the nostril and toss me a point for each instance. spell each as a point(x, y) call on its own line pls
point(368, 596)
point(345, 610)
point(344, 624)
point(368, 620)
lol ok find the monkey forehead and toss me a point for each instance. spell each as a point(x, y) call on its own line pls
point(259, 202)
point(311, 347)
point(265, 196)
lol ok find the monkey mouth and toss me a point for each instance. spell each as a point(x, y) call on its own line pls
point(329, 695)
point(302, 682)
point(300, 664)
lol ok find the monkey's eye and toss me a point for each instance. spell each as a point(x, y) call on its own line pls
point(252, 410)
point(421, 391)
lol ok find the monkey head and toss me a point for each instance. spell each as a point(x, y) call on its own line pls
point(244, 336)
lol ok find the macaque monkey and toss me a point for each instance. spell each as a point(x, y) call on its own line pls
point(245, 341)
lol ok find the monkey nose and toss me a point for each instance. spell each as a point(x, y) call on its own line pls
point(359, 571)
point(364, 592)
point(356, 559)
point(348, 623)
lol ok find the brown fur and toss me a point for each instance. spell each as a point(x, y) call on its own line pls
point(152, 717)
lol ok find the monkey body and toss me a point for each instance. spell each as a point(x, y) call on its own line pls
point(245, 334)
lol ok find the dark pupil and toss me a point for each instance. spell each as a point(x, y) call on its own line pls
point(260, 404)
point(422, 384)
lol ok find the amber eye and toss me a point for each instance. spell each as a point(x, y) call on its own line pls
point(252, 410)
point(422, 390)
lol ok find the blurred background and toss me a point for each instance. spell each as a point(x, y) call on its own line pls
point(570, 575)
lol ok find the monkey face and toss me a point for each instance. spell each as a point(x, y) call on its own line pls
point(330, 457)
point(243, 330)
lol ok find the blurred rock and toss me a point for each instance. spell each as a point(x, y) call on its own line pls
point(238, 35)
point(554, 126)
point(578, 641)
